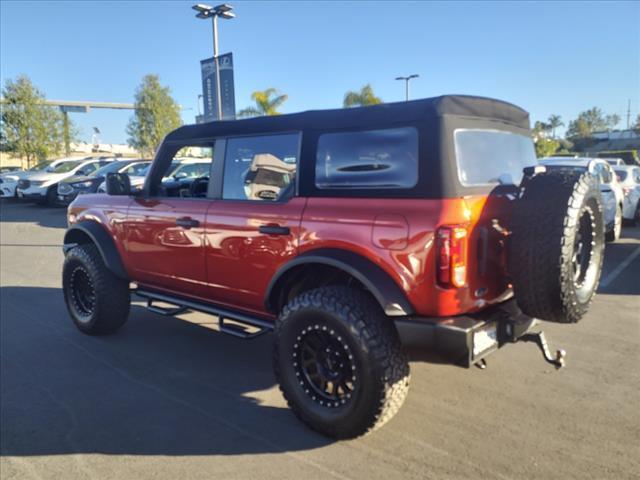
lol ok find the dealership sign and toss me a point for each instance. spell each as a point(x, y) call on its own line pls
point(227, 90)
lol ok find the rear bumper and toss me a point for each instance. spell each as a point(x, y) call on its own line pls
point(466, 339)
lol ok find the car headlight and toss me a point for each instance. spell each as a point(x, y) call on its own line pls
point(37, 183)
point(86, 184)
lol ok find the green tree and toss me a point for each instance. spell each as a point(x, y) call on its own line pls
point(546, 147)
point(541, 130)
point(365, 96)
point(612, 121)
point(32, 130)
point(156, 114)
point(555, 121)
point(588, 122)
point(267, 103)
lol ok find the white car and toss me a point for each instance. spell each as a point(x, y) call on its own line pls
point(615, 162)
point(629, 179)
point(612, 194)
point(9, 180)
point(43, 186)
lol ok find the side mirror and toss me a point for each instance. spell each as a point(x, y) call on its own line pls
point(180, 175)
point(118, 184)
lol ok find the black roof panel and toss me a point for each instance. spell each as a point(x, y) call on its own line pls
point(428, 108)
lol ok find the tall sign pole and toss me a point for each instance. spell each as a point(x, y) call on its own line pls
point(210, 68)
point(217, 63)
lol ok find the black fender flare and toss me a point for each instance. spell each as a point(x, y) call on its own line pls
point(101, 239)
point(385, 290)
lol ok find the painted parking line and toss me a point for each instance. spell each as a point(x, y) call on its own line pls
point(618, 270)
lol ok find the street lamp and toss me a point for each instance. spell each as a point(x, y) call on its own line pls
point(223, 11)
point(406, 84)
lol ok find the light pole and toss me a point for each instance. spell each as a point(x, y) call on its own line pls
point(204, 12)
point(406, 84)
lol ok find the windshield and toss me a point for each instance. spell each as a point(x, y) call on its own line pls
point(65, 167)
point(109, 168)
point(40, 166)
point(487, 157)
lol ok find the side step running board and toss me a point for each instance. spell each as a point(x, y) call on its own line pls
point(229, 322)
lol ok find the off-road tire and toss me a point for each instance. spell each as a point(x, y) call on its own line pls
point(381, 370)
point(109, 309)
point(613, 235)
point(545, 245)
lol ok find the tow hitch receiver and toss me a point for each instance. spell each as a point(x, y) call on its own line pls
point(540, 340)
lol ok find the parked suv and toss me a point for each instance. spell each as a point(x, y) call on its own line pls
point(354, 236)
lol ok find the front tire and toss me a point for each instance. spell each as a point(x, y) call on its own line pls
point(339, 362)
point(98, 301)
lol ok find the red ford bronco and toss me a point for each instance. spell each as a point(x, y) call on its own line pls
point(352, 235)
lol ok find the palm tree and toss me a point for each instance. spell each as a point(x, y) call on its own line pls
point(555, 121)
point(362, 98)
point(267, 103)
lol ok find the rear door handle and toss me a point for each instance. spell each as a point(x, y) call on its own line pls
point(187, 222)
point(274, 230)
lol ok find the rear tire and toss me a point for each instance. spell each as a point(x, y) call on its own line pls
point(98, 301)
point(339, 362)
point(557, 246)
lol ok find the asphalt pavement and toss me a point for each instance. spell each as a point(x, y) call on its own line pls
point(172, 398)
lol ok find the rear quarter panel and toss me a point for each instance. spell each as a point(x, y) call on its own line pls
point(399, 236)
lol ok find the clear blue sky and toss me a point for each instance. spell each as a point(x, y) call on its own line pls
point(546, 57)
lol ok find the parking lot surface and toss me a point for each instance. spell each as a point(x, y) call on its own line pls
point(171, 398)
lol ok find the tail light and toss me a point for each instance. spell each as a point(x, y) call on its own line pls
point(452, 256)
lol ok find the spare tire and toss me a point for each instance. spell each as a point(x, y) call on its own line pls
point(557, 245)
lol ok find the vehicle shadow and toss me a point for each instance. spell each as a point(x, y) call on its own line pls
point(12, 210)
point(160, 386)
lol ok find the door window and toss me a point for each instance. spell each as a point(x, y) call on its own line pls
point(261, 168)
point(187, 174)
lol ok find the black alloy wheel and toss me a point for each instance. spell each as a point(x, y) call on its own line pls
point(324, 364)
point(583, 247)
point(82, 292)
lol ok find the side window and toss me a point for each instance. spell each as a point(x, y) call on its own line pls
point(187, 174)
point(368, 159)
point(260, 168)
point(136, 168)
point(90, 168)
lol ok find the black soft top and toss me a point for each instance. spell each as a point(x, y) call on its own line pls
point(416, 110)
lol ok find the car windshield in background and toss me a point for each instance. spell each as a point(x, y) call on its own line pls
point(110, 168)
point(65, 167)
point(487, 157)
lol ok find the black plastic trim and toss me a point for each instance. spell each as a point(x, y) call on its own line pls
point(102, 240)
point(388, 294)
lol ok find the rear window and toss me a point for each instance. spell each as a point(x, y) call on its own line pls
point(488, 157)
point(368, 159)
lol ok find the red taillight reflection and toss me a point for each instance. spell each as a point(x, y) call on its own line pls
point(452, 256)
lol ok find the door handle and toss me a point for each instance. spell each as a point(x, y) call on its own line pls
point(187, 222)
point(274, 230)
